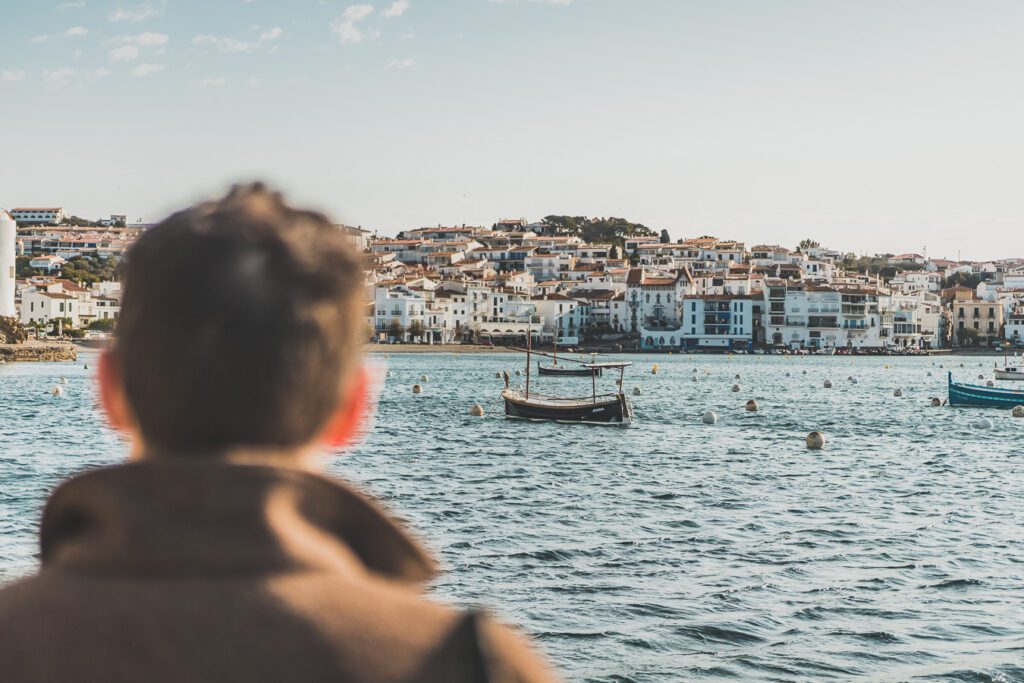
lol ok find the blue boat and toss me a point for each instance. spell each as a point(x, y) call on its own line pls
point(983, 397)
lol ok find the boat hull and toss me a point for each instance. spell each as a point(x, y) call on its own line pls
point(983, 397)
point(561, 370)
point(1010, 374)
point(618, 410)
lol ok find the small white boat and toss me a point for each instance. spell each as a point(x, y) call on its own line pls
point(1010, 372)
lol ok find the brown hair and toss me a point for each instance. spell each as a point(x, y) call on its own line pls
point(240, 324)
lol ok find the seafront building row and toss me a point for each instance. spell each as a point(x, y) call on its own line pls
point(494, 284)
point(446, 285)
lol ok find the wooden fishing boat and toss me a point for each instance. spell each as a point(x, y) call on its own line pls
point(594, 409)
point(574, 369)
point(983, 397)
point(567, 371)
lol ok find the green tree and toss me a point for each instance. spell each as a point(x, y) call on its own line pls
point(968, 336)
point(665, 238)
point(103, 325)
point(396, 329)
point(614, 253)
point(806, 244)
point(416, 329)
point(969, 280)
point(598, 230)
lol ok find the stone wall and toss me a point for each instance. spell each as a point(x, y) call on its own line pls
point(38, 352)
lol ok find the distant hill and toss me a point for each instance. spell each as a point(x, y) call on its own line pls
point(601, 230)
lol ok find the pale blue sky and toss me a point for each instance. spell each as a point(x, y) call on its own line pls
point(869, 125)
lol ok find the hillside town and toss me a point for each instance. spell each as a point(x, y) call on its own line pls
point(630, 289)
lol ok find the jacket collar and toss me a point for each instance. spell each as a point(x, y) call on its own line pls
point(201, 518)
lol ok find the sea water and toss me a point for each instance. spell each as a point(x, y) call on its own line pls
point(670, 550)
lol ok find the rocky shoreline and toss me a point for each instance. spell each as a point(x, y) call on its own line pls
point(38, 353)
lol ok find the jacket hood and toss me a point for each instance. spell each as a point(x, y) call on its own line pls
point(207, 518)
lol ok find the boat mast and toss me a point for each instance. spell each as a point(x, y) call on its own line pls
point(529, 336)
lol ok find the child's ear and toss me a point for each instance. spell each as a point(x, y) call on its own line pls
point(346, 426)
point(112, 398)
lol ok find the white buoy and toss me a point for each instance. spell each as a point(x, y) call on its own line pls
point(936, 402)
point(63, 380)
point(498, 375)
point(477, 410)
point(391, 373)
point(751, 406)
point(815, 441)
point(710, 417)
point(57, 390)
point(695, 378)
point(424, 378)
point(855, 380)
point(736, 388)
point(1018, 411)
point(983, 423)
point(637, 391)
point(417, 389)
point(897, 393)
point(827, 384)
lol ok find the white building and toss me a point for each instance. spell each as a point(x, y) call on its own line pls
point(38, 216)
point(1015, 327)
point(8, 255)
point(48, 263)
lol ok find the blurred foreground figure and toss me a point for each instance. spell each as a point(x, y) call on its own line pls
point(219, 554)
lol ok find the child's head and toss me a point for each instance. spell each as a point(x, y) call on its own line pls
point(240, 327)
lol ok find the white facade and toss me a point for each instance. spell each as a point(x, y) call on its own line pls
point(43, 216)
point(8, 253)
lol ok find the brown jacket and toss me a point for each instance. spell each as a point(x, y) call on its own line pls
point(208, 572)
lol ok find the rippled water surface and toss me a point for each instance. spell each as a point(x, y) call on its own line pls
point(671, 550)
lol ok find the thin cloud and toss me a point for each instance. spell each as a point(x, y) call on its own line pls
point(128, 48)
point(225, 44)
point(75, 4)
point(146, 69)
point(213, 82)
point(401, 63)
point(346, 26)
point(272, 34)
point(137, 13)
point(396, 9)
point(12, 76)
point(124, 53)
point(76, 31)
point(60, 75)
